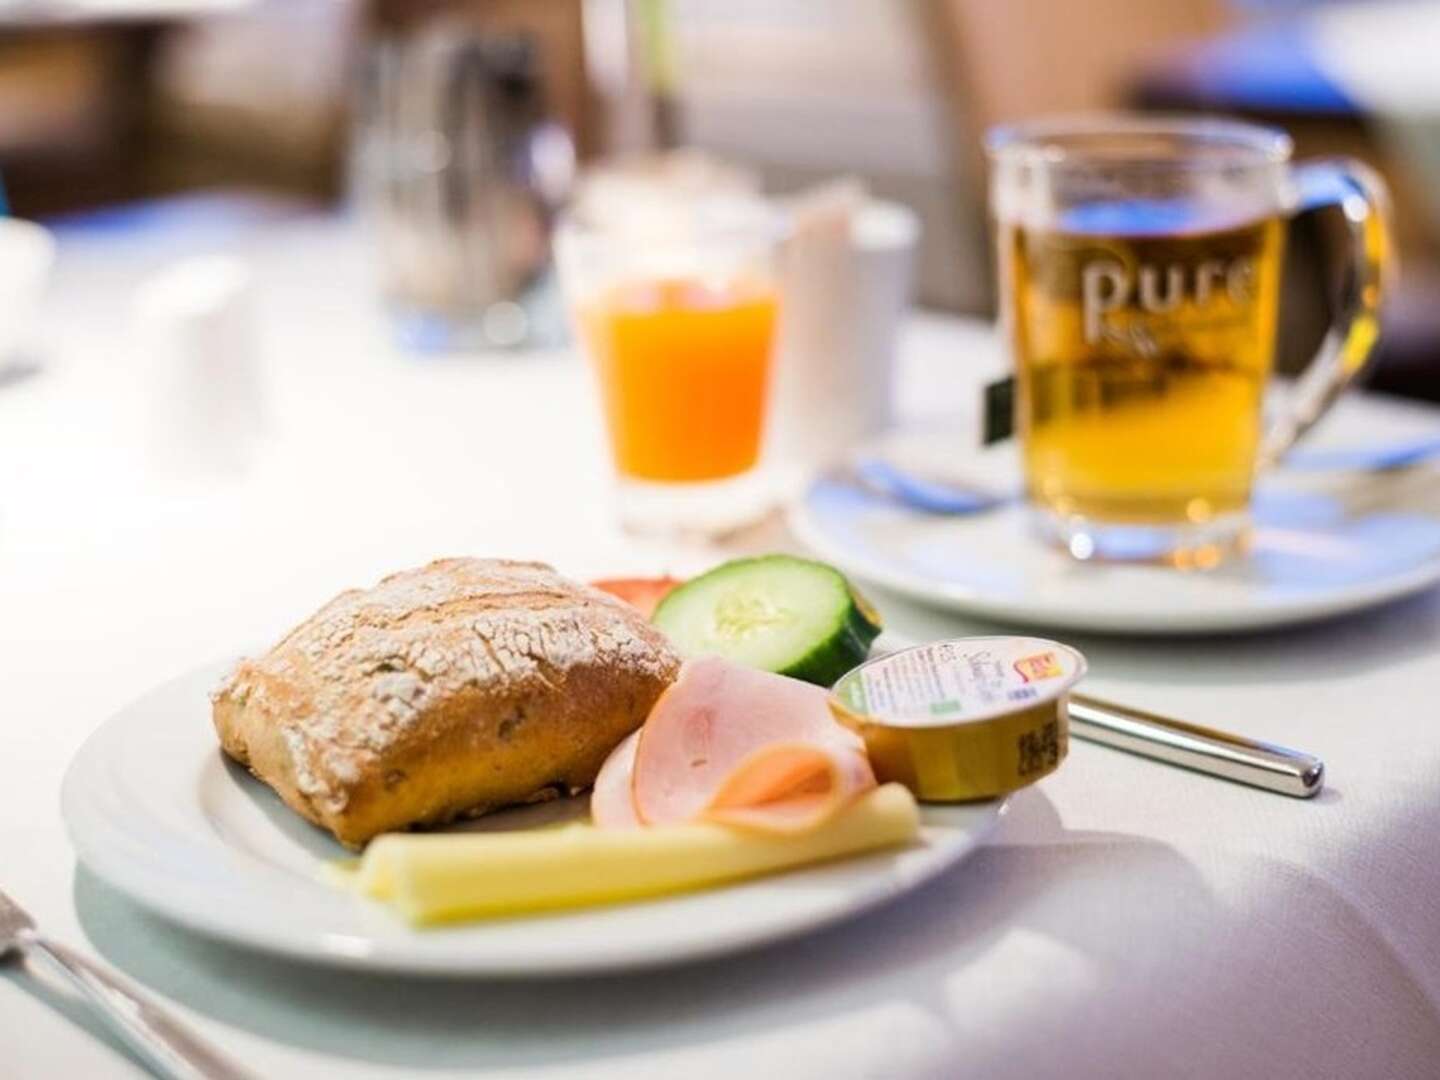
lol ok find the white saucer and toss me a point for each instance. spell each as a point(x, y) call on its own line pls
point(1324, 544)
point(154, 808)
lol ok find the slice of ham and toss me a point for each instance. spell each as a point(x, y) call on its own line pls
point(730, 744)
point(612, 805)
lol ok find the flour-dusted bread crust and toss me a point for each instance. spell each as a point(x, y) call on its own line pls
point(447, 691)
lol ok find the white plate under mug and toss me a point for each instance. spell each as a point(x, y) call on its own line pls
point(1324, 543)
point(155, 809)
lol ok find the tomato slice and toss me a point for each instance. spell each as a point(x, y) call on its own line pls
point(641, 593)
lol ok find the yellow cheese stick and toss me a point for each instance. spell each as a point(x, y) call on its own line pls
point(447, 877)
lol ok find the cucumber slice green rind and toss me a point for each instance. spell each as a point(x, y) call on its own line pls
point(779, 613)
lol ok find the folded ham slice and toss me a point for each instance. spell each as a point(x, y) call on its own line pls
point(730, 744)
point(612, 804)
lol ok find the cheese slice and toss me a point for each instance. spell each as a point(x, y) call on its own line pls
point(448, 877)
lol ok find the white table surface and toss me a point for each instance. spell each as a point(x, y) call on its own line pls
point(1129, 920)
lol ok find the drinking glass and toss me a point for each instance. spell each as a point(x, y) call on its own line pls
point(677, 312)
point(459, 170)
point(1140, 267)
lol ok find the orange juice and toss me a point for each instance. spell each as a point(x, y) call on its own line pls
point(683, 369)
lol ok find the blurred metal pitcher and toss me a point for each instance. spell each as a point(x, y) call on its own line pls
point(460, 170)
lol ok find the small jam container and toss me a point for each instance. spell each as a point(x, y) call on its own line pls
point(967, 718)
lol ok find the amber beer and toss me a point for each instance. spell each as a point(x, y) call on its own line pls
point(1142, 357)
point(1140, 277)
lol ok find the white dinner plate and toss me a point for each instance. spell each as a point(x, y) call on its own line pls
point(1323, 544)
point(155, 809)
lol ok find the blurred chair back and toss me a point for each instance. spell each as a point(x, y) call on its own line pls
point(996, 63)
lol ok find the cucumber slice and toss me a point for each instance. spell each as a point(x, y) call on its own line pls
point(776, 612)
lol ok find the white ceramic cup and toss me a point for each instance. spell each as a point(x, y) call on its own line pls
point(843, 296)
point(195, 327)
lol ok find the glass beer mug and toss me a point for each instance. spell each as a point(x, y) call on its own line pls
point(1140, 263)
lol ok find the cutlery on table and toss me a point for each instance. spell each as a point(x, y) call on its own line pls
point(922, 492)
point(1192, 746)
point(166, 1045)
point(1398, 455)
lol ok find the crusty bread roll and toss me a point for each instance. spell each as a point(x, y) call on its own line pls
point(447, 691)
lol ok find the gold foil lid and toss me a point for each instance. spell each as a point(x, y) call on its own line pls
point(967, 718)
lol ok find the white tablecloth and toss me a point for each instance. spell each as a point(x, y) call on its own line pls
point(1129, 920)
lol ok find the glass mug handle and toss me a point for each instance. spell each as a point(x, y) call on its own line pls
point(1360, 195)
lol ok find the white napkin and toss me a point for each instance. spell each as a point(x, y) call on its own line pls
point(847, 272)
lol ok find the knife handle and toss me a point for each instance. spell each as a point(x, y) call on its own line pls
point(1191, 746)
point(170, 1048)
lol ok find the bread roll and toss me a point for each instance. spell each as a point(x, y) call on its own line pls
point(447, 691)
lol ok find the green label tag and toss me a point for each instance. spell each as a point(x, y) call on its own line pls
point(999, 422)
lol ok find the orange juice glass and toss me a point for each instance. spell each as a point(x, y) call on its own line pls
point(679, 324)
